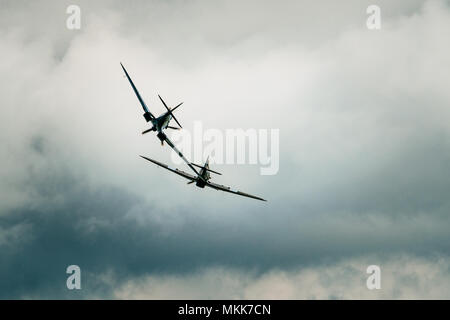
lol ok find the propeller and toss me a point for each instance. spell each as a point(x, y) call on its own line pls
point(170, 111)
point(192, 181)
point(207, 169)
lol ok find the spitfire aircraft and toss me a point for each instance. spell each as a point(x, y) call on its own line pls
point(202, 178)
point(159, 123)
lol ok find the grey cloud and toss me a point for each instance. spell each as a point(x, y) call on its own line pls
point(110, 231)
point(362, 117)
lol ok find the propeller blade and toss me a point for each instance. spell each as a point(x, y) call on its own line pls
point(170, 111)
point(192, 181)
point(176, 120)
point(148, 130)
point(176, 107)
point(174, 128)
point(207, 169)
point(165, 105)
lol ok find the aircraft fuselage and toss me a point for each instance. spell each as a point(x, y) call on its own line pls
point(200, 183)
point(204, 173)
point(162, 122)
point(159, 124)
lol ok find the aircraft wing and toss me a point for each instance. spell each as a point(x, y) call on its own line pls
point(181, 155)
point(174, 170)
point(144, 106)
point(228, 189)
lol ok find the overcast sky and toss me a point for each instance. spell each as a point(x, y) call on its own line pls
point(364, 173)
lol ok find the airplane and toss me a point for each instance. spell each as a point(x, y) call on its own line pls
point(159, 123)
point(202, 178)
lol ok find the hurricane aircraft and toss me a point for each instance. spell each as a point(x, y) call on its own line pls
point(202, 178)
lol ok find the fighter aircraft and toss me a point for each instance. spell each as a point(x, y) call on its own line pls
point(202, 178)
point(159, 123)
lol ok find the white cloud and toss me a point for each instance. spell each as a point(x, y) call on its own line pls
point(402, 277)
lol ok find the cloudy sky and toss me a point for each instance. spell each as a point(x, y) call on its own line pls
point(364, 174)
